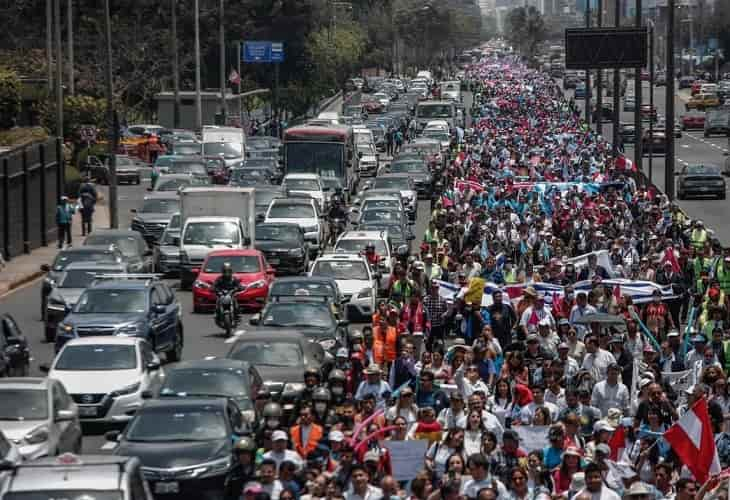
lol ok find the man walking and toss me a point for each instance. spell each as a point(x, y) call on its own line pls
point(87, 203)
point(64, 216)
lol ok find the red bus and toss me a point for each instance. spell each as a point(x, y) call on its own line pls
point(324, 150)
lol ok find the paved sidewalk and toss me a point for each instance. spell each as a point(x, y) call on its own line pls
point(26, 268)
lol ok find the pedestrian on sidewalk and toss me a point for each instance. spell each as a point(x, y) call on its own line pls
point(64, 216)
point(87, 204)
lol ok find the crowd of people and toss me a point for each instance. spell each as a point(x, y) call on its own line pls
point(558, 317)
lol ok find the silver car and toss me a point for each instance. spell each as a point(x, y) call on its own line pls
point(39, 417)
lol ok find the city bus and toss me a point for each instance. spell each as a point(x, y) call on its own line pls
point(324, 150)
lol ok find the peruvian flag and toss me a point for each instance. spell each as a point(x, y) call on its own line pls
point(693, 442)
point(672, 259)
point(617, 443)
point(623, 163)
point(234, 77)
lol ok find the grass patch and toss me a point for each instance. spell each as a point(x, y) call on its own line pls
point(22, 136)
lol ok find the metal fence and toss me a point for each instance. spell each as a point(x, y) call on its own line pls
point(31, 183)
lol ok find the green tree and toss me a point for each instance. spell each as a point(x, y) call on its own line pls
point(525, 29)
point(334, 54)
point(9, 98)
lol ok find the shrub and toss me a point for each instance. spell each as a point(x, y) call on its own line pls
point(73, 181)
point(9, 98)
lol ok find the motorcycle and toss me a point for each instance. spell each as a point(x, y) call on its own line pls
point(226, 311)
point(336, 228)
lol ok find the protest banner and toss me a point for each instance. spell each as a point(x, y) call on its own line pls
point(532, 437)
point(406, 458)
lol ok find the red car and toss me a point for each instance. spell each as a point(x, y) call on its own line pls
point(692, 121)
point(249, 266)
point(696, 86)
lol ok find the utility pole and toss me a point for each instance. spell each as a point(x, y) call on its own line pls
point(49, 45)
point(175, 68)
point(59, 68)
point(669, 105)
point(222, 42)
point(638, 153)
point(599, 81)
point(198, 100)
point(113, 210)
point(616, 86)
point(70, 35)
point(668, 127)
point(588, 72)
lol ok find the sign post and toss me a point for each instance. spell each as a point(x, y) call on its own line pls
point(267, 53)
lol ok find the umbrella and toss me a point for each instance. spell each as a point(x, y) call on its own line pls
point(602, 318)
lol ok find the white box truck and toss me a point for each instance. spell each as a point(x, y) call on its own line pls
point(213, 218)
point(228, 143)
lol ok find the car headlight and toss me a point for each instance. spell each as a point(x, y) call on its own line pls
point(49, 282)
point(293, 387)
point(56, 306)
point(202, 284)
point(365, 293)
point(36, 436)
point(64, 329)
point(256, 284)
point(130, 389)
point(328, 344)
point(131, 330)
point(297, 252)
point(210, 468)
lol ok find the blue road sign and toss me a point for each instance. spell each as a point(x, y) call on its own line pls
point(262, 52)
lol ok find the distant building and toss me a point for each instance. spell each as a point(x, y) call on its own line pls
point(211, 109)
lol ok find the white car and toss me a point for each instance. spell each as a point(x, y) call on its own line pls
point(354, 242)
point(355, 280)
point(437, 125)
point(305, 213)
point(305, 184)
point(106, 376)
point(382, 98)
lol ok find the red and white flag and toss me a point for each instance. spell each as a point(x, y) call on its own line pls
point(623, 163)
point(234, 77)
point(693, 442)
point(617, 443)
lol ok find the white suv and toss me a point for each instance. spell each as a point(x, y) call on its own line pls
point(306, 214)
point(106, 376)
point(307, 185)
point(354, 278)
point(354, 242)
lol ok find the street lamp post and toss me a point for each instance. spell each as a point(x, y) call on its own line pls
point(70, 35)
point(638, 146)
point(587, 109)
point(667, 125)
point(599, 79)
point(222, 42)
point(198, 99)
point(669, 105)
point(175, 67)
point(113, 209)
point(616, 87)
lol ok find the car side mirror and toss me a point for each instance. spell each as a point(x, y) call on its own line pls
point(45, 268)
point(146, 394)
point(255, 319)
point(260, 217)
point(112, 436)
point(149, 189)
point(158, 308)
point(270, 270)
point(195, 270)
point(6, 465)
point(176, 241)
point(45, 367)
point(247, 240)
point(154, 365)
point(133, 210)
point(359, 154)
point(343, 323)
point(65, 415)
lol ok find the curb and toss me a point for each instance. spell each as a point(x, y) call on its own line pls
point(17, 283)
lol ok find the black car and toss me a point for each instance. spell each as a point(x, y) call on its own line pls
point(308, 287)
point(701, 180)
point(212, 378)
point(315, 319)
point(14, 350)
point(627, 131)
point(281, 356)
point(263, 196)
point(133, 247)
point(284, 247)
point(252, 176)
point(185, 445)
point(417, 170)
point(400, 235)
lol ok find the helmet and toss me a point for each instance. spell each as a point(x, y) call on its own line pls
point(245, 444)
point(370, 246)
point(227, 270)
point(337, 376)
point(321, 394)
point(402, 251)
point(272, 410)
point(311, 372)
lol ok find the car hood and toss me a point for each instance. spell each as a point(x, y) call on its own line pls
point(170, 455)
point(703, 177)
point(281, 374)
point(104, 319)
point(15, 430)
point(308, 222)
point(312, 333)
point(152, 217)
point(276, 246)
point(351, 287)
point(314, 194)
point(169, 249)
point(95, 382)
point(68, 296)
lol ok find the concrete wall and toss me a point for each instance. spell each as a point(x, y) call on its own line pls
point(30, 184)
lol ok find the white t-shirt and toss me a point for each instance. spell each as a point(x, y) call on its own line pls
point(604, 494)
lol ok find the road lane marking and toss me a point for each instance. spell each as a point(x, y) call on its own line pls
point(234, 337)
point(108, 446)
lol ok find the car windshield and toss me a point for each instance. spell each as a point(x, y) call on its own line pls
point(160, 206)
point(239, 263)
point(277, 233)
point(172, 184)
point(27, 404)
point(229, 150)
point(127, 244)
point(301, 289)
point(391, 183)
point(98, 357)
point(124, 162)
point(378, 215)
point(270, 353)
point(264, 197)
point(341, 270)
point(188, 168)
point(106, 301)
point(304, 314)
point(179, 423)
point(394, 230)
point(435, 134)
point(291, 211)
point(408, 167)
point(302, 185)
point(92, 494)
point(187, 149)
point(79, 278)
point(262, 153)
point(381, 204)
point(703, 169)
point(434, 111)
point(205, 382)
point(63, 259)
point(357, 246)
point(211, 233)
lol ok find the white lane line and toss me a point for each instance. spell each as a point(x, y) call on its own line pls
point(234, 337)
point(685, 146)
point(108, 446)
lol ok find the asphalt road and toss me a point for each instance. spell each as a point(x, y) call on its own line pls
point(691, 148)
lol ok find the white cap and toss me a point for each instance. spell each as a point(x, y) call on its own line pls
point(336, 436)
point(279, 435)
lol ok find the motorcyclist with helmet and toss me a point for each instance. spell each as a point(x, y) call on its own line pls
point(312, 380)
point(225, 283)
point(371, 255)
point(337, 382)
point(336, 214)
point(272, 419)
point(243, 470)
point(322, 412)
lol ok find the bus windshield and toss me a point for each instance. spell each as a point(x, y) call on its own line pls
point(435, 111)
point(323, 158)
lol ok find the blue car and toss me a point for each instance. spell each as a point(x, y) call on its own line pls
point(580, 91)
point(137, 306)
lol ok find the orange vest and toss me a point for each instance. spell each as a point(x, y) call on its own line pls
point(384, 345)
point(304, 449)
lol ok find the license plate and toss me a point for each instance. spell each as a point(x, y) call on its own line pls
point(273, 262)
point(87, 411)
point(167, 487)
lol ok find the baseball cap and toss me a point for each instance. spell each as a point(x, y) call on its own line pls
point(253, 488)
point(602, 425)
point(336, 436)
point(371, 456)
point(342, 352)
point(279, 435)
